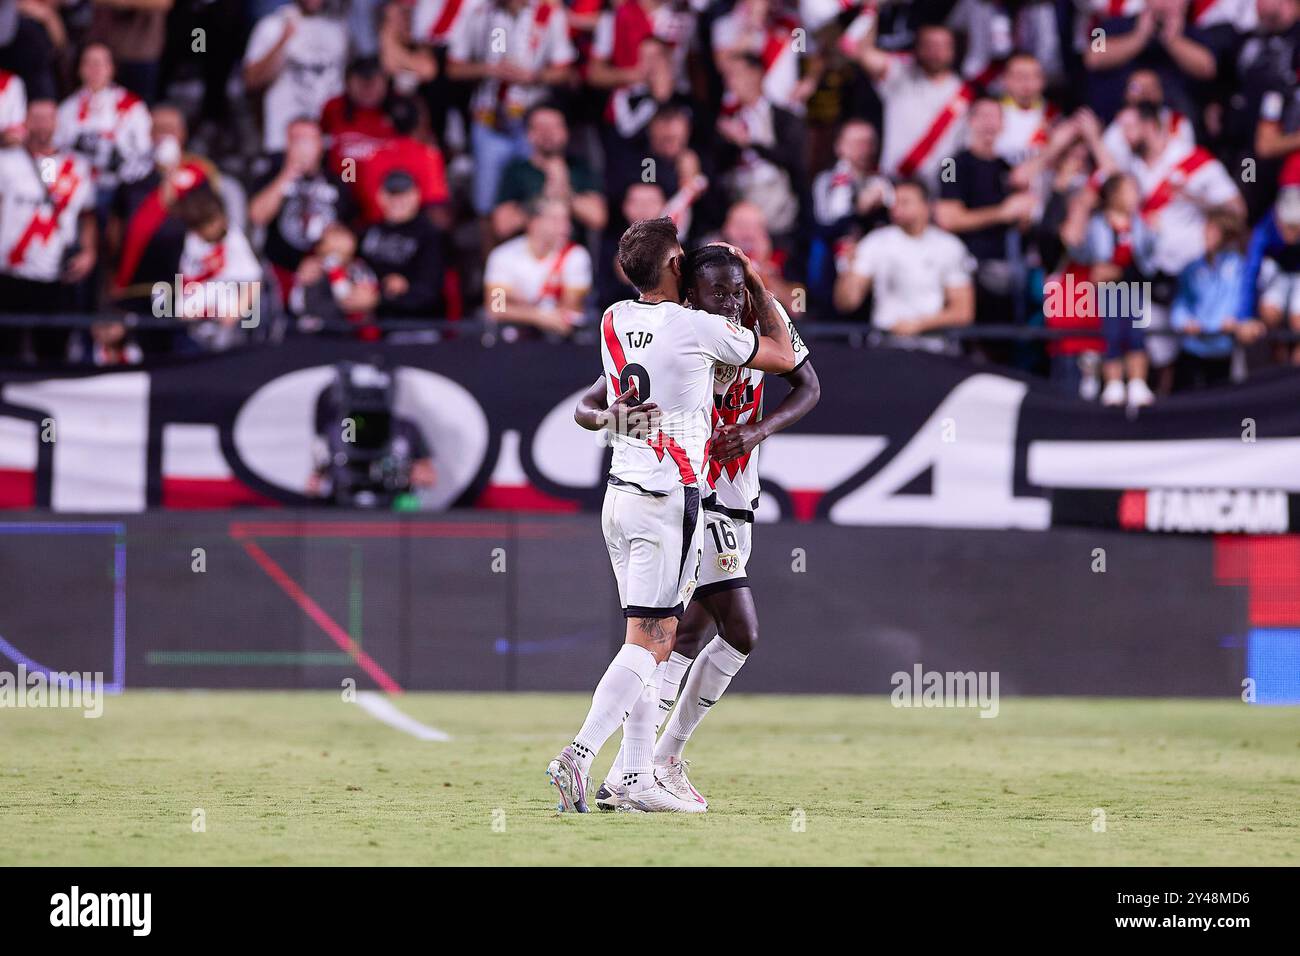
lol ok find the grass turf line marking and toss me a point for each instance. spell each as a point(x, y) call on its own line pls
point(381, 708)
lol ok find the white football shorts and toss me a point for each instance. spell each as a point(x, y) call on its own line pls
point(655, 548)
point(727, 542)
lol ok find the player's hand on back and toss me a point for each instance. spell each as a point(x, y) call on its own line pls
point(628, 418)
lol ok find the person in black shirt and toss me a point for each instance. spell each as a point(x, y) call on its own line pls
point(406, 253)
point(1161, 38)
point(296, 201)
point(977, 203)
point(1262, 119)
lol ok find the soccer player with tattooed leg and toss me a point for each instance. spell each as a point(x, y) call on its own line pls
point(668, 354)
point(723, 602)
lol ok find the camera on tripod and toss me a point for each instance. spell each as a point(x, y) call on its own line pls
point(370, 454)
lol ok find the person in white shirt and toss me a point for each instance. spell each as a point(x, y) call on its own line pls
point(542, 277)
point(297, 55)
point(1144, 86)
point(761, 148)
point(852, 191)
point(770, 30)
point(1179, 183)
point(514, 50)
point(220, 276)
point(1027, 118)
point(13, 108)
point(921, 275)
point(108, 125)
point(925, 102)
point(47, 230)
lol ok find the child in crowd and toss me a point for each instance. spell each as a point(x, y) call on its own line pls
point(334, 285)
point(220, 286)
point(1117, 247)
point(1206, 305)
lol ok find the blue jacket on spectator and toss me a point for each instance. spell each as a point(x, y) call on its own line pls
point(1266, 242)
point(1208, 294)
point(1099, 243)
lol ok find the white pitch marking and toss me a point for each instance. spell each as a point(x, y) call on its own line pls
point(379, 706)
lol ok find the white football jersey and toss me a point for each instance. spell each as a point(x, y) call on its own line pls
point(214, 265)
point(668, 352)
point(112, 129)
point(13, 101)
point(1177, 187)
point(738, 400)
point(38, 220)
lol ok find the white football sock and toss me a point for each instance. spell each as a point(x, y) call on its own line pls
point(670, 684)
point(638, 748)
point(670, 674)
point(616, 694)
point(713, 671)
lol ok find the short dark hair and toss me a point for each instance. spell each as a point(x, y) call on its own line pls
point(707, 257)
point(545, 106)
point(643, 248)
point(914, 183)
point(1231, 224)
point(404, 113)
point(198, 207)
point(1110, 185)
point(671, 111)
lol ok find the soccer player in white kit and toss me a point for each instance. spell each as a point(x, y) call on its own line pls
point(663, 353)
point(723, 602)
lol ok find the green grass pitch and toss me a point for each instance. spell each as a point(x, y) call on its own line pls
point(303, 778)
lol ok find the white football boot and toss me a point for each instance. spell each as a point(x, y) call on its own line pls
point(673, 777)
point(611, 796)
point(569, 780)
point(657, 798)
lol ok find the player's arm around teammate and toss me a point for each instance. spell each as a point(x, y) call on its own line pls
point(624, 417)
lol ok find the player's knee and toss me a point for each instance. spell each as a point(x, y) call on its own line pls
point(689, 641)
point(742, 635)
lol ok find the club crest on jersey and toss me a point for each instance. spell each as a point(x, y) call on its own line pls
point(724, 375)
point(728, 563)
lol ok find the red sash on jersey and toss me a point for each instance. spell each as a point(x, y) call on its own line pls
point(1168, 188)
point(661, 443)
point(955, 107)
point(43, 226)
point(445, 19)
point(1050, 112)
point(211, 265)
point(615, 349)
point(733, 406)
point(553, 285)
point(1123, 254)
point(778, 38)
point(124, 103)
point(148, 219)
point(1199, 8)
